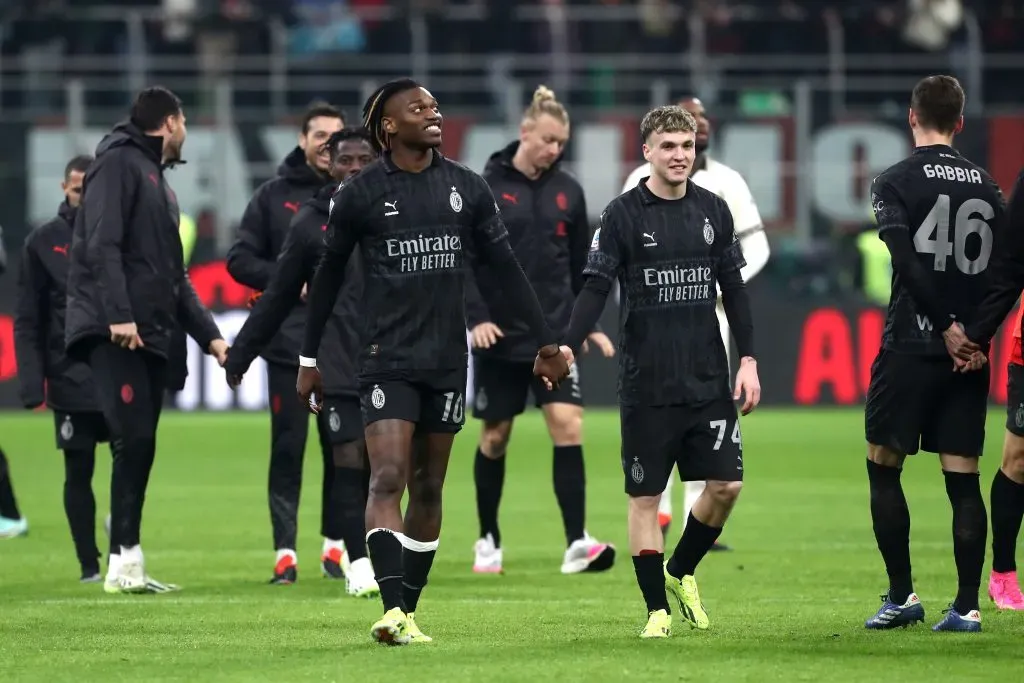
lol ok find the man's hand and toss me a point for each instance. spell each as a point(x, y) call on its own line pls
point(486, 335)
point(977, 362)
point(604, 344)
point(310, 387)
point(957, 343)
point(304, 294)
point(219, 350)
point(747, 385)
point(126, 335)
point(548, 366)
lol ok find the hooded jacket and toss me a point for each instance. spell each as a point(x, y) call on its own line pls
point(252, 259)
point(296, 266)
point(550, 233)
point(45, 371)
point(125, 263)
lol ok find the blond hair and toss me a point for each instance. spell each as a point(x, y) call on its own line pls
point(544, 102)
point(668, 119)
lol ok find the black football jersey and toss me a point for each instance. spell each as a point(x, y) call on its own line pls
point(950, 209)
point(667, 256)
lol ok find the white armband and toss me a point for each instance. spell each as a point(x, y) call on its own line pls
point(307, 362)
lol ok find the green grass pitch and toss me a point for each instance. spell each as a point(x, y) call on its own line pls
point(788, 604)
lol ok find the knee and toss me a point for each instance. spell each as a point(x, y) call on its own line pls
point(644, 505)
point(349, 456)
point(387, 482)
point(566, 427)
point(724, 493)
point(494, 439)
point(884, 456)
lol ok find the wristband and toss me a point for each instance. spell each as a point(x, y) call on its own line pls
point(307, 362)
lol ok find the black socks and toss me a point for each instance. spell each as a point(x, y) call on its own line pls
point(890, 519)
point(650, 576)
point(386, 556)
point(1007, 512)
point(970, 529)
point(695, 543)
point(570, 489)
point(348, 496)
point(489, 474)
point(417, 561)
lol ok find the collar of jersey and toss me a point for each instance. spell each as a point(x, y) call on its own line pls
point(934, 148)
point(648, 197)
point(390, 167)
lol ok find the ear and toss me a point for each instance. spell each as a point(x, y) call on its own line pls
point(389, 125)
point(302, 141)
point(647, 152)
point(524, 128)
point(63, 186)
point(959, 125)
point(911, 118)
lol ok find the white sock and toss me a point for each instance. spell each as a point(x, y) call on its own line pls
point(693, 491)
point(131, 553)
point(113, 566)
point(286, 552)
point(331, 544)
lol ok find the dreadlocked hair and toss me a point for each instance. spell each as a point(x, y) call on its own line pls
point(344, 135)
point(373, 110)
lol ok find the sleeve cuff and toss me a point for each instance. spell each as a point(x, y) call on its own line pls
point(305, 362)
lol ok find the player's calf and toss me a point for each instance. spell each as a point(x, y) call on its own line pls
point(645, 545)
point(1007, 502)
point(489, 477)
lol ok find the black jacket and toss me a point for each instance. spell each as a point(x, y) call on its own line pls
point(126, 260)
point(296, 265)
point(252, 259)
point(548, 228)
point(44, 369)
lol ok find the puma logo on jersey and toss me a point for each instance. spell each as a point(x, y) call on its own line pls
point(649, 239)
point(393, 206)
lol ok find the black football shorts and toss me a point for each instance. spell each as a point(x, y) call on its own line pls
point(435, 400)
point(79, 430)
point(341, 419)
point(703, 441)
point(919, 403)
point(500, 386)
point(1015, 399)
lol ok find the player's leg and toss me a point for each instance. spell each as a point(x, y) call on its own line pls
point(694, 489)
point(390, 412)
point(957, 432)
point(348, 495)
point(289, 427)
point(12, 524)
point(333, 561)
point(78, 444)
point(1007, 498)
point(647, 461)
point(712, 452)
point(442, 417)
point(499, 395)
point(130, 394)
point(563, 414)
point(893, 415)
point(665, 508)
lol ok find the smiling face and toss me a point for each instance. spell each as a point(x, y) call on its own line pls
point(412, 118)
point(312, 141)
point(671, 155)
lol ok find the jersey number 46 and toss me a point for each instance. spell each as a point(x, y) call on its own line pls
point(965, 224)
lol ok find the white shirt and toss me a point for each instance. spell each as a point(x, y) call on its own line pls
point(728, 184)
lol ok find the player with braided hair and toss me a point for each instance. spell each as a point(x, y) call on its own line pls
point(412, 214)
